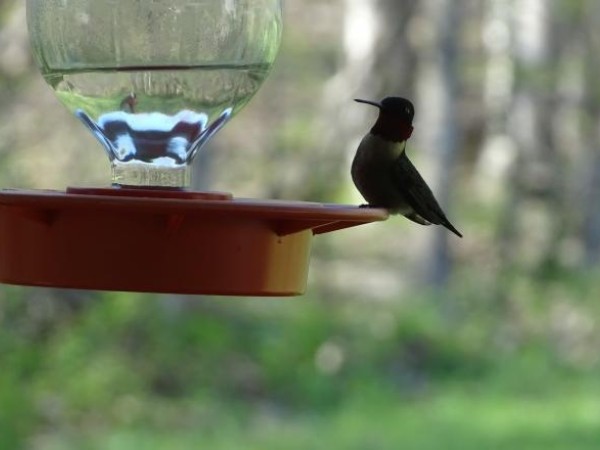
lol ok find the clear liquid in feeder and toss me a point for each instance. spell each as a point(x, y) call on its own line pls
point(154, 81)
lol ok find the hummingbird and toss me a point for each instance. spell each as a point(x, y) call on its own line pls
point(384, 175)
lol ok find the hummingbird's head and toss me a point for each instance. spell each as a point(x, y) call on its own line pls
point(395, 118)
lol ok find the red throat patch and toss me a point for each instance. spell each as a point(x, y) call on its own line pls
point(392, 129)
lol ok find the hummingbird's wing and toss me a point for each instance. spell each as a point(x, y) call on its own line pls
point(418, 195)
point(417, 218)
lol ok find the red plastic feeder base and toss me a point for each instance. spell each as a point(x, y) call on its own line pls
point(148, 240)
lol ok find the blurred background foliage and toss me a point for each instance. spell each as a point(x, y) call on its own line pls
point(406, 336)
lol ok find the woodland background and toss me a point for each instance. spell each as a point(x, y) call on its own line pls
point(407, 336)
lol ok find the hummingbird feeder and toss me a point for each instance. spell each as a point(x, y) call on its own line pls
point(154, 81)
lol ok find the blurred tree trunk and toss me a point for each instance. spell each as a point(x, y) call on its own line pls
point(497, 147)
point(591, 98)
point(532, 222)
point(438, 115)
point(497, 160)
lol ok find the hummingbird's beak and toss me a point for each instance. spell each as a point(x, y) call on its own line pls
point(368, 102)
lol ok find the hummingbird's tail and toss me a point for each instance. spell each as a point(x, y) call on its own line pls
point(448, 225)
